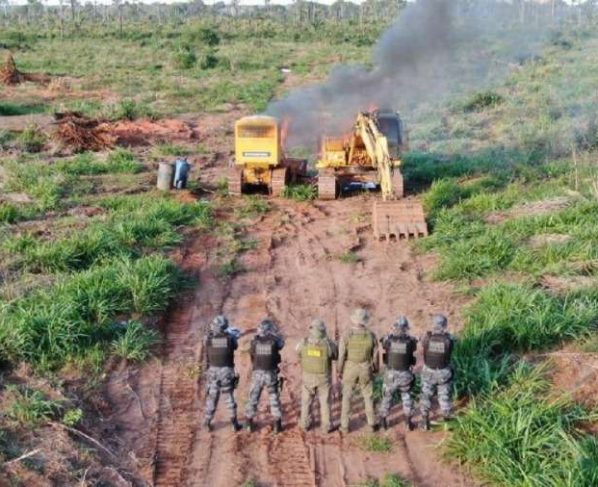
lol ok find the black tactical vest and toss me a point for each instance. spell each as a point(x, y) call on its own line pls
point(437, 350)
point(399, 352)
point(264, 353)
point(220, 350)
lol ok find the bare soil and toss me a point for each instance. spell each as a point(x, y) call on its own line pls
point(293, 275)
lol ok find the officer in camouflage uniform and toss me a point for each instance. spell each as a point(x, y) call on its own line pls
point(357, 363)
point(316, 353)
point(265, 358)
point(220, 349)
point(399, 349)
point(437, 372)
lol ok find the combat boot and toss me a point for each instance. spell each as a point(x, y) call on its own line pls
point(277, 426)
point(410, 423)
point(384, 423)
point(425, 423)
point(250, 425)
point(208, 425)
point(235, 425)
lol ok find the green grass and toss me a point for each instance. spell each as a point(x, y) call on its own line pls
point(349, 257)
point(509, 319)
point(30, 407)
point(252, 207)
point(8, 109)
point(300, 192)
point(135, 343)
point(389, 480)
point(119, 161)
point(141, 224)
point(375, 443)
point(57, 323)
point(525, 435)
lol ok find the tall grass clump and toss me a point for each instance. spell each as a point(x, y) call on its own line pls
point(300, 192)
point(508, 319)
point(523, 436)
point(135, 226)
point(61, 322)
point(119, 161)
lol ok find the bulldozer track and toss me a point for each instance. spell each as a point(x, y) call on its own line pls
point(326, 186)
point(279, 181)
point(177, 411)
point(235, 182)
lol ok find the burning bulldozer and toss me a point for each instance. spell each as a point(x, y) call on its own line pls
point(370, 156)
point(259, 157)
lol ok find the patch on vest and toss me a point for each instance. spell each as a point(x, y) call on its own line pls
point(436, 347)
point(398, 347)
point(221, 342)
point(263, 349)
point(313, 352)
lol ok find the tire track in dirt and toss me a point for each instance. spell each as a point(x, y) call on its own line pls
point(294, 275)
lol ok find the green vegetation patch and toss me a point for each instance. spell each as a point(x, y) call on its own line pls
point(517, 318)
point(52, 325)
point(524, 435)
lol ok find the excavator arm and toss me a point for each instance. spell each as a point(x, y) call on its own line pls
point(376, 146)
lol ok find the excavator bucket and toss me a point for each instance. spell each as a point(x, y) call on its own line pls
point(396, 220)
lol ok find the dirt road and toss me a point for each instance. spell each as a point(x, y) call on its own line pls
point(295, 273)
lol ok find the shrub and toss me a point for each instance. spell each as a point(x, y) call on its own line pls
point(135, 343)
point(300, 192)
point(60, 322)
point(483, 100)
point(444, 193)
point(522, 436)
point(208, 59)
point(8, 213)
point(30, 407)
point(72, 417)
point(32, 139)
point(375, 443)
point(185, 57)
point(516, 318)
point(129, 109)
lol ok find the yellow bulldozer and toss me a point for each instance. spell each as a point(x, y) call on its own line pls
point(259, 157)
point(370, 156)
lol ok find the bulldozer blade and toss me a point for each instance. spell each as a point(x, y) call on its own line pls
point(396, 220)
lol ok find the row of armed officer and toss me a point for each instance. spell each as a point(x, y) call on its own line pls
point(357, 363)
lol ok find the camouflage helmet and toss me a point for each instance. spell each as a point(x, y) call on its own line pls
point(439, 322)
point(266, 326)
point(317, 328)
point(402, 324)
point(219, 324)
point(360, 317)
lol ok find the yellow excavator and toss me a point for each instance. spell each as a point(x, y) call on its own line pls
point(370, 156)
point(259, 159)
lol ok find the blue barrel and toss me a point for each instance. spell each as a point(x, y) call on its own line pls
point(181, 173)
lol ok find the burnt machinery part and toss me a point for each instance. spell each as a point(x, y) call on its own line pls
point(278, 180)
point(327, 186)
point(235, 182)
point(395, 220)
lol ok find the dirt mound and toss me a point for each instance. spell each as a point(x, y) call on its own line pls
point(145, 132)
point(79, 133)
point(10, 75)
